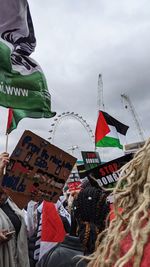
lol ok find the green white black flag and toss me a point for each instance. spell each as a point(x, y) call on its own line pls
point(22, 82)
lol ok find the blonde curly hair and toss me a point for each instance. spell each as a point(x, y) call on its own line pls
point(132, 194)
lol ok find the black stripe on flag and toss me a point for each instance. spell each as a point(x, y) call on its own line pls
point(120, 127)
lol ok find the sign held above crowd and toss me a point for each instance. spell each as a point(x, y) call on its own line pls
point(107, 173)
point(91, 159)
point(36, 169)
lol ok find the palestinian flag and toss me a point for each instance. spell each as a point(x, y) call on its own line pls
point(109, 131)
point(15, 115)
point(50, 229)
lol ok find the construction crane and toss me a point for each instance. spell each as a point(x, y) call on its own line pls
point(134, 114)
point(100, 100)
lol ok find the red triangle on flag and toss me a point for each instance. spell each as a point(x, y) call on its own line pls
point(10, 119)
point(52, 226)
point(102, 128)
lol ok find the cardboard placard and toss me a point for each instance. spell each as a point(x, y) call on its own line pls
point(37, 169)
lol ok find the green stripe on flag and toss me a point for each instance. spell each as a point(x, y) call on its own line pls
point(109, 142)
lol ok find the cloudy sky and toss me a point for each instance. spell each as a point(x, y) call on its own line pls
point(77, 40)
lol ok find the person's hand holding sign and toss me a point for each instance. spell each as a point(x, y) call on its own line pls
point(4, 160)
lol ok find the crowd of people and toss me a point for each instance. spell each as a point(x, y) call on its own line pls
point(81, 228)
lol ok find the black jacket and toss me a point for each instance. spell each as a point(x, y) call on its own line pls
point(62, 255)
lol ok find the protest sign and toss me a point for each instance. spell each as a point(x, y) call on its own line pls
point(81, 171)
point(73, 182)
point(107, 173)
point(74, 186)
point(37, 169)
point(91, 159)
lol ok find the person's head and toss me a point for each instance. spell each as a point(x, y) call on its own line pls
point(89, 210)
point(132, 195)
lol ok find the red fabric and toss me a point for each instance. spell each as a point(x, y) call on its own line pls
point(10, 117)
point(101, 128)
point(112, 214)
point(52, 226)
point(125, 246)
point(127, 243)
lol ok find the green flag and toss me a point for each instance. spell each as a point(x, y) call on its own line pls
point(15, 115)
point(22, 82)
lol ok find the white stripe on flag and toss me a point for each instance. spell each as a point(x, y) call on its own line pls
point(114, 134)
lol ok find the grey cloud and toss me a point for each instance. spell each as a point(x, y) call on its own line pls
point(77, 40)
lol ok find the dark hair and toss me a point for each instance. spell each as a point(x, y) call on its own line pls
point(90, 210)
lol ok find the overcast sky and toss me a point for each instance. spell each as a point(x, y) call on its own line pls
point(77, 40)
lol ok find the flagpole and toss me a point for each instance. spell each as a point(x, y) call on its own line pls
point(100, 103)
point(6, 149)
point(6, 146)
